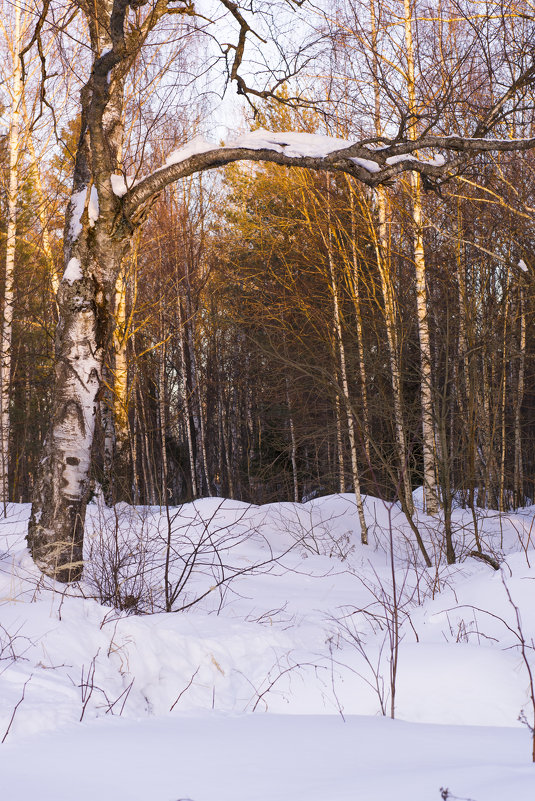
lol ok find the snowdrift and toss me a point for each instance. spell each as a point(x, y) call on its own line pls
point(288, 648)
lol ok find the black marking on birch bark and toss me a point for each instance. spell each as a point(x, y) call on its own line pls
point(73, 406)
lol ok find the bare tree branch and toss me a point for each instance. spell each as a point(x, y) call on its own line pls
point(369, 165)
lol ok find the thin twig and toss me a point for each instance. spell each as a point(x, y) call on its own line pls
point(19, 702)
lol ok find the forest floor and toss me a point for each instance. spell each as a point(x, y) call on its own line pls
point(275, 677)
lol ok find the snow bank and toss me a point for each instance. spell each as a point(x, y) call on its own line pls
point(269, 758)
point(301, 629)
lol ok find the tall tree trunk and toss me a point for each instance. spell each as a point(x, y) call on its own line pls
point(162, 414)
point(383, 250)
point(466, 391)
point(383, 254)
point(196, 390)
point(134, 452)
point(339, 446)
point(119, 382)
point(426, 396)
point(355, 284)
point(503, 503)
point(184, 395)
point(345, 384)
point(381, 241)
point(108, 429)
point(56, 526)
point(226, 446)
point(149, 483)
point(518, 482)
point(96, 239)
point(293, 444)
point(11, 240)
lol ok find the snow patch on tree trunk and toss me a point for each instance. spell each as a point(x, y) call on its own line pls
point(93, 207)
point(76, 209)
point(73, 271)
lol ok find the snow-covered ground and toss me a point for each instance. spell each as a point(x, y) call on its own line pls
point(274, 678)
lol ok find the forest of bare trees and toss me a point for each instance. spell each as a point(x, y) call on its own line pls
point(345, 308)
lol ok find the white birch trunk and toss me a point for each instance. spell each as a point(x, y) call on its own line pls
point(11, 241)
point(426, 396)
point(360, 332)
point(162, 419)
point(293, 445)
point(345, 390)
point(426, 392)
point(133, 451)
point(120, 367)
point(382, 249)
point(382, 252)
point(340, 446)
point(93, 252)
point(64, 480)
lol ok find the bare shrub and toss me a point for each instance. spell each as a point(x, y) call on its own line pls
point(12, 647)
point(170, 561)
point(119, 559)
point(315, 534)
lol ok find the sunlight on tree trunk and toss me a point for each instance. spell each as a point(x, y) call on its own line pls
point(426, 390)
point(11, 241)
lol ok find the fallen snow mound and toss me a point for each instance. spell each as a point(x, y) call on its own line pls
point(222, 608)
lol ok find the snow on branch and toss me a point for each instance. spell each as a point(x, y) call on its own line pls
point(372, 163)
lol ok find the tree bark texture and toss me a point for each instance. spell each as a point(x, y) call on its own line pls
point(95, 241)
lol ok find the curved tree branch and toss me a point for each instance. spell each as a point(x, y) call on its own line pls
point(370, 165)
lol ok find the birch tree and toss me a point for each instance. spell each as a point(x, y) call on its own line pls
point(14, 41)
point(106, 208)
point(426, 388)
